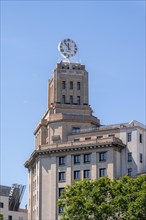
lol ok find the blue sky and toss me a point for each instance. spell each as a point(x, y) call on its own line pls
point(111, 39)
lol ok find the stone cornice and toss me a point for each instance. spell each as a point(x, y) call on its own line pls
point(46, 150)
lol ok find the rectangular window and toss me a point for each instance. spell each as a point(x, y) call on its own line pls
point(63, 99)
point(78, 86)
point(99, 137)
point(63, 84)
point(60, 191)
point(75, 129)
point(71, 85)
point(129, 136)
point(129, 171)
point(140, 138)
point(61, 176)
point(129, 157)
point(87, 174)
point(87, 138)
point(9, 217)
point(71, 99)
point(62, 160)
point(87, 158)
point(1, 205)
point(102, 156)
point(61, 209)
point(77, 174)
point(141, 159)
point(76, 159)
point(111, 135)
point(102, 172)
point(78, 100)
point(76, 139)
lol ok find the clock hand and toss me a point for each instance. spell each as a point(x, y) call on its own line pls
point(68, 46)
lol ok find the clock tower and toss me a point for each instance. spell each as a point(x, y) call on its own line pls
point(68, 106)
point(68, 113)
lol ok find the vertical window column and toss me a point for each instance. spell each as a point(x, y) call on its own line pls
point(130, 172)
point(78, 86)
point(77, 174)
point(78, 100)
point(71, 99)
point(129, 136)
point(140, 138)
point(63, 84)
point(87, 174)
point(102, 172)
point(140, 157)
point(71, 85)
point(63, 99)
point(130, 157)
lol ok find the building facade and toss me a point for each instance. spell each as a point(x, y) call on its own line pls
point(10, 198)
point(70, 143)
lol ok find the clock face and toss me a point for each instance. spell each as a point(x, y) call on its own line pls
point(67, 48)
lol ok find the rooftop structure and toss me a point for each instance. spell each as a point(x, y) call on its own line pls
point(10, 200)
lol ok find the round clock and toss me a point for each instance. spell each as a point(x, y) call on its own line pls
point(67, 48)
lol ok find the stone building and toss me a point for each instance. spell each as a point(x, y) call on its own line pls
point(10, 199)
point(70, 143)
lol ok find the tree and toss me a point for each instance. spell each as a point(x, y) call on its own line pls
point(1, 217)
point(105, 199)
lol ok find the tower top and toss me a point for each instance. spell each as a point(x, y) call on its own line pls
point(67, 48)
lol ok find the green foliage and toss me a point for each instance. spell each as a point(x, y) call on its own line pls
point(1, 217)
point(105, 199)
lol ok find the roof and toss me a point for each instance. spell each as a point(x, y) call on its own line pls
point(4, 190)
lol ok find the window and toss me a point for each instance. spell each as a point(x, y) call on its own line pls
point(102, 156)
point(99, 137)
point(71, 85)
point(111, 135)
point(63, 84)
point(75, 130)
point(87, 174)
point(141, 159)
point(76, 159)
point(129, 136)
point(77, 174)
point(9, 217)
point(78, 85)
point(1, 205)
point(102, 172)
point(63, 99)
point(76, 139)
point(60, 191)
point(129, 171)
point(129, 157)
point(87, 138)
point(140, 138)
point(61, 176)
point(61, 209)
point(78, 100)
point(87, 158)
point(71, 99)
point(62, 160)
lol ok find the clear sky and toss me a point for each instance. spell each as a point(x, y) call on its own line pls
point(111, 39)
